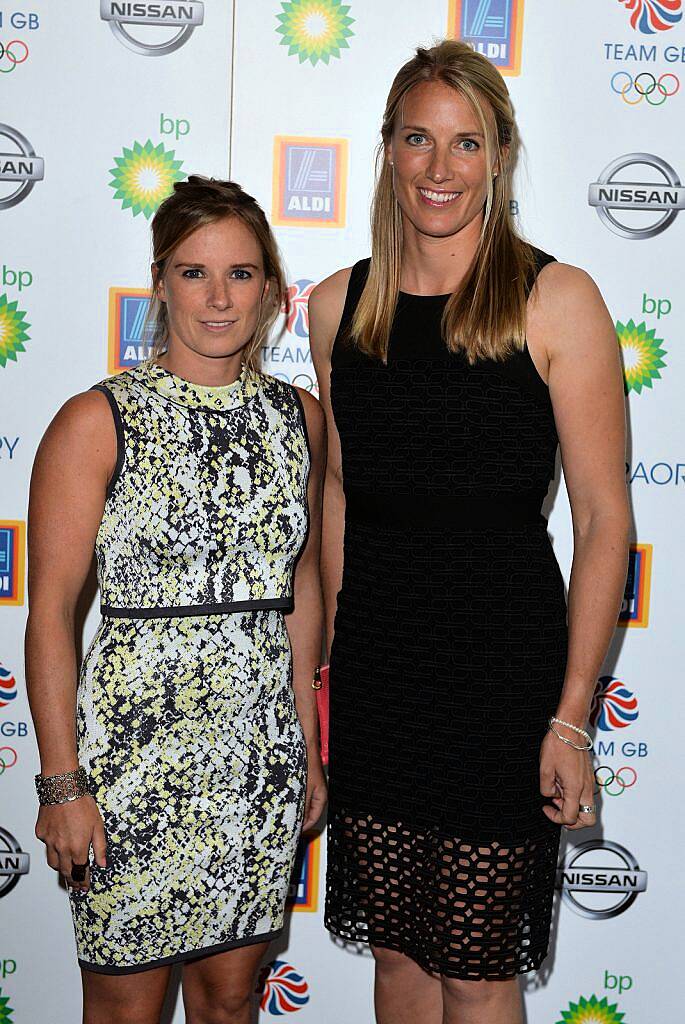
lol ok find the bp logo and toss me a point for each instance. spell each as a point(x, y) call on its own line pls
point(13, 330)
point(315, 30)
point(651, 16)
point(642, 355)
point(181, 18)
point(591, 1011)
point(144, 176)
point(6, 1010)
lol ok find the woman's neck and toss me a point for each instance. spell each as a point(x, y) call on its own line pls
point(436, 266)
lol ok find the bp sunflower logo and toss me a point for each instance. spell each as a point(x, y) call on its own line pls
point(12, 334)
point(144, 176)
point(642, 355)
point(6, 1010)
point(315, 29)
point(591, 1011)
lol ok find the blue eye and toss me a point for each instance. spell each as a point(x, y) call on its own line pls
point(193, 273)
point(245, 275)
point(415, 135)
point(471, 144)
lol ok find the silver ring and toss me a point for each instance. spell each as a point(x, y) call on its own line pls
point(587, 808)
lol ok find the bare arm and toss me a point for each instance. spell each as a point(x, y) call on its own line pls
point(325, 309)
point(305, 622)
point(586, 389)
point(73, 464)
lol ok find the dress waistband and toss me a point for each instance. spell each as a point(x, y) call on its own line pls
point(424, 511)
point(109, 611)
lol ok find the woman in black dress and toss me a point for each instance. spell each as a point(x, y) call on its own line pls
point(451, 365)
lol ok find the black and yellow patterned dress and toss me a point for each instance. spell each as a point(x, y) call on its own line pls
point(186, 717)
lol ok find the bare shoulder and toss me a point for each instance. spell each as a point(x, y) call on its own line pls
point(313, 414)
point(561, 287)
point(83, 426)
point(326, 304)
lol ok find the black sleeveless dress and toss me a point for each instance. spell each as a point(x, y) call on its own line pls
point(449, 652)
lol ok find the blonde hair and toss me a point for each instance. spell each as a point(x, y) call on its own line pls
point(486, 317)
point(192, 204)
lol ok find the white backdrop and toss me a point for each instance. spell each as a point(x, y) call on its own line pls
point(286, 98)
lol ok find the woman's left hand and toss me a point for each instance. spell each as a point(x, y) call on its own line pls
point(317, 791)
point(567, 778)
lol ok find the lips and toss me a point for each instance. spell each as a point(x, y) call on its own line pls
point(434, 197)
point(217, 325)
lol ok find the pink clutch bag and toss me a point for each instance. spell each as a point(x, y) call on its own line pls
point(320, 684)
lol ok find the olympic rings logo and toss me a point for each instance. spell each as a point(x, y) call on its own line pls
point(645, 85)
point(8, 758)
point(614, 783)
point(12, 53)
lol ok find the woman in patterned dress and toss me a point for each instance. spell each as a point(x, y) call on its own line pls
point(197, 481)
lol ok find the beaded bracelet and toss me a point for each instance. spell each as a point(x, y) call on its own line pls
point(581, 732)
point(62, 789)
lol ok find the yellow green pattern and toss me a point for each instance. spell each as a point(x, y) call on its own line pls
point(315, 30)
point(642, 355)
point(13, 330)
point(186, 717)
point(6, 1010)
point(591, 1011)
point(144, 176)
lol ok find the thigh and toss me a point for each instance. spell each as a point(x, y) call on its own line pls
point(226, 978)
point(126, 998)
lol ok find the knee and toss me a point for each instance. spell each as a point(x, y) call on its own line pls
point(218, 1008)
point(471, 993)
point(389, 960)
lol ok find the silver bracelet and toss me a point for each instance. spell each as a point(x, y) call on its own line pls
point(581, 732)
point(62, 789)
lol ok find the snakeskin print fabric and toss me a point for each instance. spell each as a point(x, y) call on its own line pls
point(222, 475)
point(186, 723)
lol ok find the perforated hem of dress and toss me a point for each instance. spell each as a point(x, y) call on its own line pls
point(459, 908)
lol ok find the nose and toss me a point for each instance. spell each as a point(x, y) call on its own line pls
point(219, 294)
point(439, 167)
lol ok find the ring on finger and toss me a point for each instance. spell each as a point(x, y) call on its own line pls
point(587, 808)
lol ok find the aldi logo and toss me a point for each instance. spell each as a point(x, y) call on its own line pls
point(493, 27)
point(635, 607)
point(12, 547)
point(127, 332)
point(309, 182)
point(304, 885)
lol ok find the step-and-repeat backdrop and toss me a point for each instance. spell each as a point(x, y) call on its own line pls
point(103, 105)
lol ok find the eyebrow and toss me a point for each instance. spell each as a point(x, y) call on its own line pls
point(202, 266)
point(418, 128)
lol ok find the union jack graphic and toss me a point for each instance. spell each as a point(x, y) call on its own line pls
point(296, 307)
point(283, 990)
point(650, 16)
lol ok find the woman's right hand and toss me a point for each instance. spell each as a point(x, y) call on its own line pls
point(68, 831)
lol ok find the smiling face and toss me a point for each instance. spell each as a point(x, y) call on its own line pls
point(213, 285)
point(437, 152)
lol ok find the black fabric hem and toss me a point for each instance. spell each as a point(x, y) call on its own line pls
point(176, 958)
point(533, 963)
point(119, 427)
point(185, 611)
